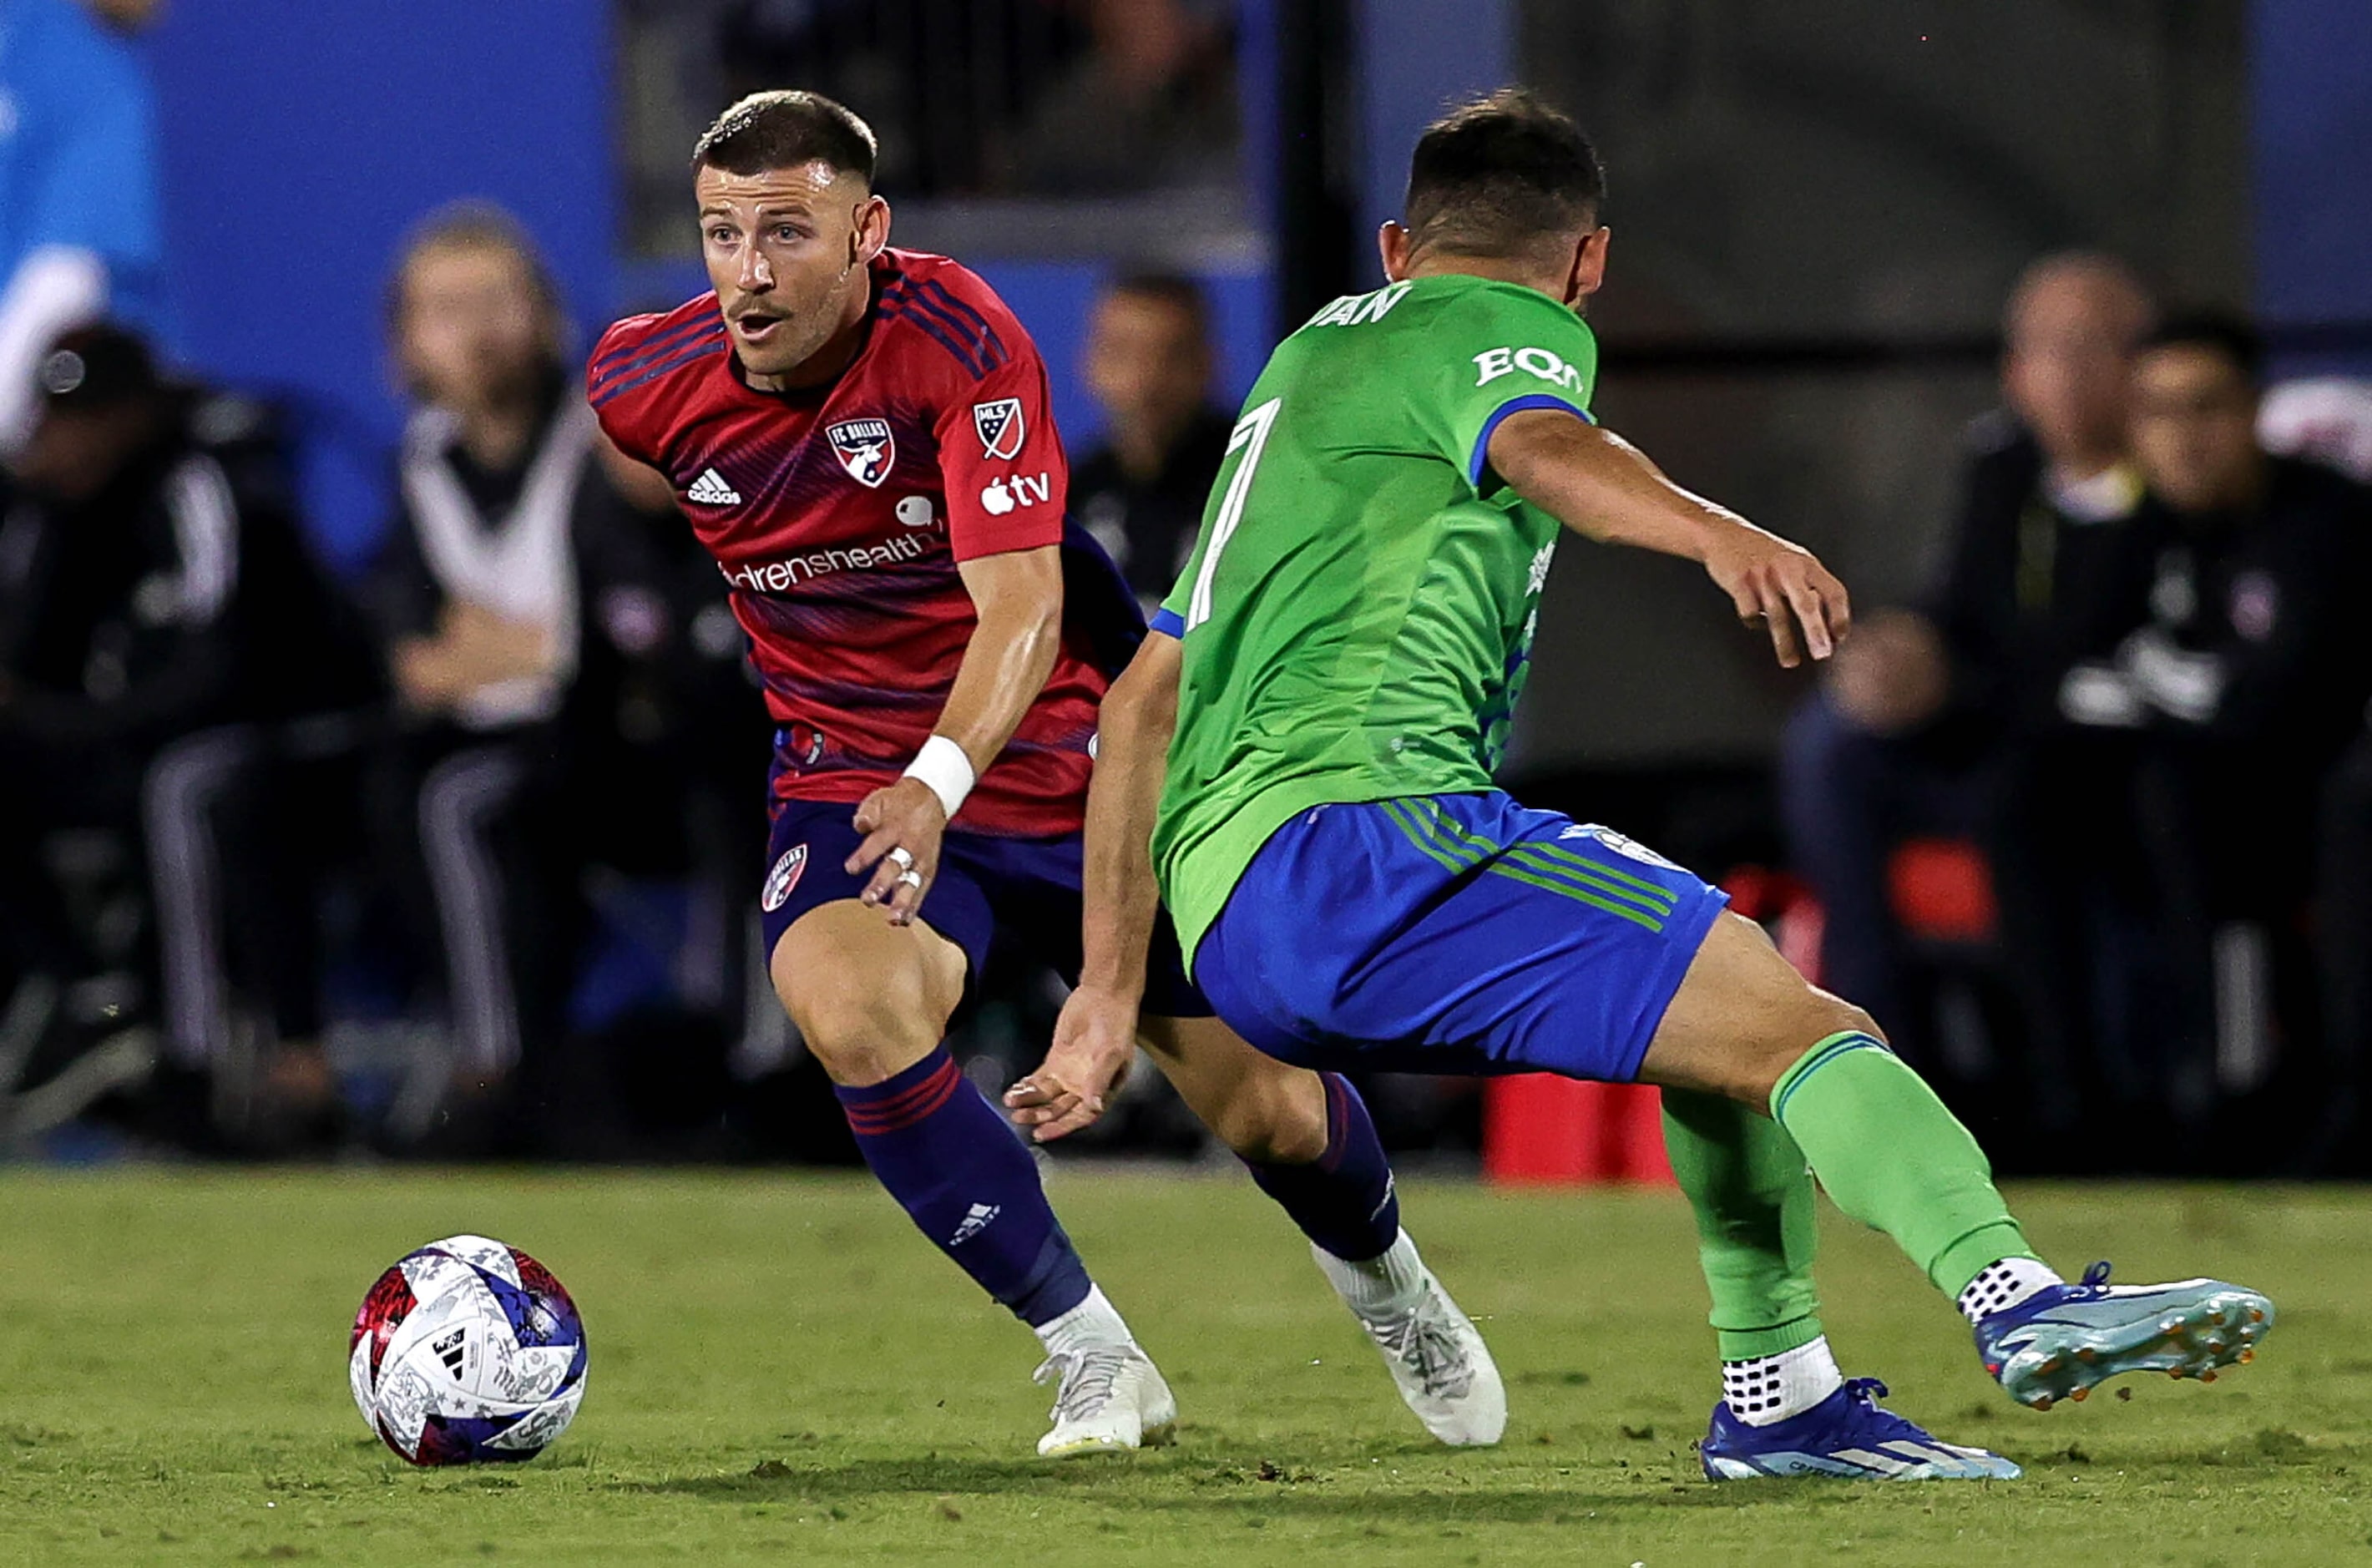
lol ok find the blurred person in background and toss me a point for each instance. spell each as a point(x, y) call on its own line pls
point(79, 223)
point(2249, 680)
point(1151, 103)
point(1150, 364)
point(159, 613)
point(664, 714)
point(476, 599)
point(1969, 715)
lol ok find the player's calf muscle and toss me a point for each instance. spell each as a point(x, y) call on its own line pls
point(871, 999)
point(1264, 1111)
point(1742, 1017)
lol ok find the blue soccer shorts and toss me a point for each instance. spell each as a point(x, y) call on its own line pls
point(1019, 896)
point(1454, 934)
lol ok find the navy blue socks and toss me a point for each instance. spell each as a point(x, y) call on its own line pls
point(1344, 1200)
point(950, 1160)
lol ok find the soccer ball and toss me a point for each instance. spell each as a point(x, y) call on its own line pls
point(466, 1352)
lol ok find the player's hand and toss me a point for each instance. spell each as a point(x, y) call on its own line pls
point(906, 817)
point(1783, 589)
point(1095, 1045)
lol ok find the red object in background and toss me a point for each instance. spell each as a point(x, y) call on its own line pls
point(1942, 890)
point(1541, 1130)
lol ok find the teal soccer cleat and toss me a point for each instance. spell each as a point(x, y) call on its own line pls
point(2060, 1341)
point(1850, 1435)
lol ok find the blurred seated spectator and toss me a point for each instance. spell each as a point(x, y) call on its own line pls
point(2250, 678)
point(665, 727)
point(1149, 364)
point(80, 232)
point(476, 600)
point(1151, 103)
point(1959, 717)
point(161, 625)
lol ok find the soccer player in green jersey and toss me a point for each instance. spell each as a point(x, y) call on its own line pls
point(1327, 691)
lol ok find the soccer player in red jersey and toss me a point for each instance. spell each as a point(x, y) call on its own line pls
point(860, 436)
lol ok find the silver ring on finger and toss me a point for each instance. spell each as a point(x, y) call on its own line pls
point(910, 878)
point(902, 859)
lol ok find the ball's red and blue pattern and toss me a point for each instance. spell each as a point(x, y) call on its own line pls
point(467, 1352)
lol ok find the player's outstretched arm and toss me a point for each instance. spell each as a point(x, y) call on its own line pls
point(1605, 489)
point(1017, 597)
point(1095, 1040)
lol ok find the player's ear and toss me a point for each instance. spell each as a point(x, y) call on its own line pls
point(1393, 244)
point(1587, 274)
point(872, 230)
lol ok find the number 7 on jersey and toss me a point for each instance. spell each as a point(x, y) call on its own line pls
point(1249, 435)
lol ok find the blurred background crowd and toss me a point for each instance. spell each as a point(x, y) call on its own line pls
point(378, 769)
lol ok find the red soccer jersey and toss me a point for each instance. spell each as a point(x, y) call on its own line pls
point(838, 515)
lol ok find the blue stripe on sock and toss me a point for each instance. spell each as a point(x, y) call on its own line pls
point(1821, 1056)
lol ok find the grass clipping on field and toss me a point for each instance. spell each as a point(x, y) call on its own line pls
point(782, 1371)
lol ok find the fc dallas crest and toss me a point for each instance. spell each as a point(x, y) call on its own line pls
point(783, 877)
point(865, 450)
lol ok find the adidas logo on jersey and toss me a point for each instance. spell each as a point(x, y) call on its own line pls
point(975, 1222)
point(710, 490)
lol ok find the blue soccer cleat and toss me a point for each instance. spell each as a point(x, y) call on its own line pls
point(2064, 1338)
point(1847, 1434)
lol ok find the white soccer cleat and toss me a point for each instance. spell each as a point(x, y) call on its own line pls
point(1107, 1399)
point(1438, 1359)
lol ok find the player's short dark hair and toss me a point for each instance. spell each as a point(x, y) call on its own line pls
point(2219, 332)
point(1174, 289)
point(1499, 174)
point(785, 130)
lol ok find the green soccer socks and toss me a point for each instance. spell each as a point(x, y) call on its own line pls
point(1752, 1194)
point(1894, 1159)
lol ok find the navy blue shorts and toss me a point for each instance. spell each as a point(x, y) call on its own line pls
point(1023, 891)
point(1454, 934)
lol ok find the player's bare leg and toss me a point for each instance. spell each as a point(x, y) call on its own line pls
point(1809, 1069)
point(873, 1000)
point(1307, 1142)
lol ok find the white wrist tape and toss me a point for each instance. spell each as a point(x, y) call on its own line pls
point(943, 766)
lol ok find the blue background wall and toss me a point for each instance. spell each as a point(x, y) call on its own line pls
point(1414, 56)
point(2311, 82)
point(302, 140)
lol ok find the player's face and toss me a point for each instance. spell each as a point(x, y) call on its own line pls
point(2195, 428)
point(1146, 359)
point(787, 251)
point(473, 332)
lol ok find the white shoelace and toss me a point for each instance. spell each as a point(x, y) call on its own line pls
point(1087, 1380)
point(1423, 1339)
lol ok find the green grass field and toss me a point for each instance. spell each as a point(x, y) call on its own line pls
point(783, 1372)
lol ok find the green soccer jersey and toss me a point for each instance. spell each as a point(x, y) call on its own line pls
point(1358, 610)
